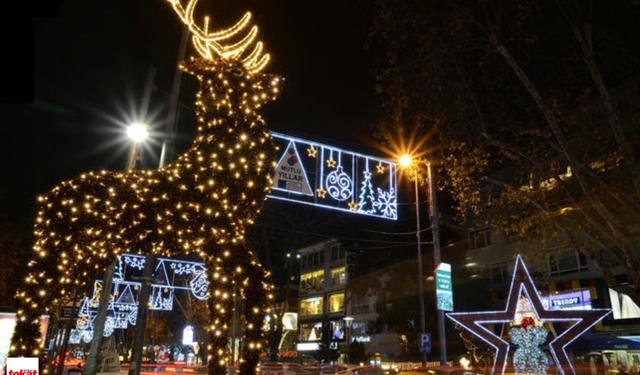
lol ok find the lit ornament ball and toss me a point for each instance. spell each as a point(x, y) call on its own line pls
point(339, 185)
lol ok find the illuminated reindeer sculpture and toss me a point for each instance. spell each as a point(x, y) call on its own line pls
point(200, 203)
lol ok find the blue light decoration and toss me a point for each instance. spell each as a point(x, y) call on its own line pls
point(522, 285)
point(169, 275)
point(333, 178)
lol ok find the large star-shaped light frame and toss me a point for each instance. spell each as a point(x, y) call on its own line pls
point(522, 282)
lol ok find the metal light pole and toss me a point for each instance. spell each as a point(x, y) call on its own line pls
point(170, 124)
point(435, 230)
point(348, 321)
point(141, 318)
point(420, 276)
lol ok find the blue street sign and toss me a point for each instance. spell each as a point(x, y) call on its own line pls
point(425, 342)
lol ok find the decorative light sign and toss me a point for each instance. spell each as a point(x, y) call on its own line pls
point(324, 176)
point(169, 275)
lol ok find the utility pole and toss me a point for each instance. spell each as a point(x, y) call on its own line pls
point(420, 276)
point(103, 304)
point(170, 124)
point(98, 328)
point(67, 334)
point(435, 230)
point(141, 318)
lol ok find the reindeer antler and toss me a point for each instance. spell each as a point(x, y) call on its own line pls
point(209, 46)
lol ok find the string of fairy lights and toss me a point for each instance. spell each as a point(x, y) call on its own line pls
point(200, 203)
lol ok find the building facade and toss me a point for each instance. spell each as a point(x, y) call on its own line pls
point(565, 278)
point(321, 298)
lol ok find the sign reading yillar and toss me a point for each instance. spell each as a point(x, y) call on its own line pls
point(528, 358)
point(325, 176)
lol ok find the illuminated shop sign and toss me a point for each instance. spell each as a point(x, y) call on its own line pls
point(572, 300)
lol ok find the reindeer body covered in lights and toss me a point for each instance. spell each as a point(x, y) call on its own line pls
point(200, 203)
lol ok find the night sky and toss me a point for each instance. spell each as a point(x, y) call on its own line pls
point(90, 67)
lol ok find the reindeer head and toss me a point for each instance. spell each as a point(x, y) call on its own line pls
point(211, 46)
point(232, 73)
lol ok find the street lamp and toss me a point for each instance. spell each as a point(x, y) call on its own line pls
point(405, 162)
point(348, 321)
point(137, 132)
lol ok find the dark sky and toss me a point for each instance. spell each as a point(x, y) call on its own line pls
point(90, 66)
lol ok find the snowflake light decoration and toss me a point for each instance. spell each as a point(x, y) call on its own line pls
point(386, 203)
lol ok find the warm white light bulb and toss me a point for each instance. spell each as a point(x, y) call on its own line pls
point(138, 132)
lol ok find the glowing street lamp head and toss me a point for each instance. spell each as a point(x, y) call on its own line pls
point(138, 132)
point(405, 161)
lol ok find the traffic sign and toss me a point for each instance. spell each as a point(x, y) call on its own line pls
point(424, 340)
point(444, 290)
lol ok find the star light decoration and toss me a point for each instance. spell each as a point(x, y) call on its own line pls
point(353, 206)
point(200, 203)
point(522, 282)
point(312, 152)
point(380, 168)
point(321, 193)
point(331, 163)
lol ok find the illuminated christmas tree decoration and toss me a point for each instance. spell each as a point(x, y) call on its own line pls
point(200, 203)
point(340, 187)
point(522, 285)
point(366, 202)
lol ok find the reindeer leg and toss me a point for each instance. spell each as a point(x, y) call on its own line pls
point(255, 287)
point(220, 311)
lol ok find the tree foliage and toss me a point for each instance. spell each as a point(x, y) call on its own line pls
point(533, 108)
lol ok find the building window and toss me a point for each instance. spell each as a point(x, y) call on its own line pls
point(311, 331)
point(623, 306)
point(562, 262)
point(336, 303)
point(312, 281)
point(359, 327)
point(311, 306)
point(335, 252)
point(499, 272)
point(337, 329)
point(316, 259)
point(338, 276)
point(342, 252)
point(480, 238)
point(322, 257)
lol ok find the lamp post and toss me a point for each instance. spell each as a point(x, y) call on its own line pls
point(137, 133)
point(348, 322)
point(406, 162)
